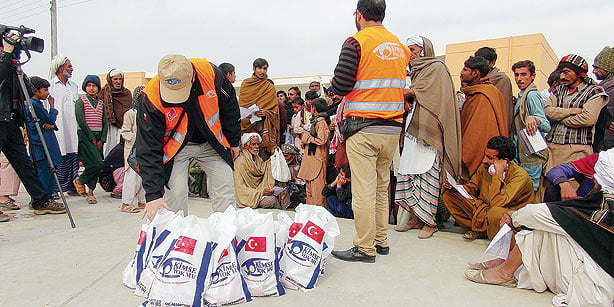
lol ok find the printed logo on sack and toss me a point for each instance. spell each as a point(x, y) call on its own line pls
point(223, 272)
point(142, 236)
point(177, 267)
point(313, 231)
point(256, 244)
point(185, 245)
point(389, 51)
point(257, 267)
point(303, 252)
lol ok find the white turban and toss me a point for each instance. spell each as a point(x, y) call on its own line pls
point(416, 40)
point(315, 79)
point(248, 136)
point(115, 72)
point(604, 171)
point(57, 62)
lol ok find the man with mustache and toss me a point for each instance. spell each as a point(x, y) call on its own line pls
point(573, 109)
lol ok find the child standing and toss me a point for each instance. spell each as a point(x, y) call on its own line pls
point(47, 125)
point(92, 133)
point(313, 166)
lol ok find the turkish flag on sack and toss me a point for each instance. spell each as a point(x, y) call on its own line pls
point(313, 231)
point(256, 244)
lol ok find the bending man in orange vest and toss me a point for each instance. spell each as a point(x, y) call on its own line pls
point(371, 75)
point(189, 110)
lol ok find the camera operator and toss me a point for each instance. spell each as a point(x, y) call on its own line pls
point(11, 141)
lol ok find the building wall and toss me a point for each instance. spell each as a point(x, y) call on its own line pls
point(510, 50)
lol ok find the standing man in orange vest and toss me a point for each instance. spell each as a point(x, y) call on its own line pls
point(371, 74)
point(189, 110)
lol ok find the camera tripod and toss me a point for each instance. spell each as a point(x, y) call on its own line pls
point(36, 121)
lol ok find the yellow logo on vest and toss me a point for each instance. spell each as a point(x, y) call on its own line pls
point(389, 51)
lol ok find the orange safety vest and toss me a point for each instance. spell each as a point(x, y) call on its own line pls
point(380, 78)
point(177, 121)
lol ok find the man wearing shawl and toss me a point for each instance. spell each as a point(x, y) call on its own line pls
point(565, 247)
point(604, 71)
point(259, 90)
point(65, 93)
point(432, 137)
point(483, 115)
point(253, 177)
point(529, 114)
point(117, 100)
point(573, 109)
point(499, 79)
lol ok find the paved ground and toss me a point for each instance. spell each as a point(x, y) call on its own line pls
point(43, 262)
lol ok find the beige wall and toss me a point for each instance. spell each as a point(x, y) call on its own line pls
point(510, 50)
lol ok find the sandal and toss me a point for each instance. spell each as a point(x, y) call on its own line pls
point(129, 209)
point(485, 264)
point(142, 205)
point(91, 199)
point(9, 205)
point(472, 235)
point(80, 187)
point(478, 277)
point(427, 232)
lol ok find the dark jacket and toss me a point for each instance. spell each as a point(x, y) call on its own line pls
point(37, 151)
point(344, 194)
point(151, 127)
point(9, 90)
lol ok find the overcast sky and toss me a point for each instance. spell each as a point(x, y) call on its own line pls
point(298, 38)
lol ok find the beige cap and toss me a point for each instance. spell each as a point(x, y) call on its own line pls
point(175, 73)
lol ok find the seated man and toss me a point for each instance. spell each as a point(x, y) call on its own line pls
point(295, 188)
point(252, 176)
point(498, 186)
point(565, 247)
point(339, 193)
point(582, 170)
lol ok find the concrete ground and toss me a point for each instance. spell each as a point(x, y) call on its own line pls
point(43, 262)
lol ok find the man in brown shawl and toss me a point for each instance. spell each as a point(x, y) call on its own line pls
point(117, 100)
point(253, 178)
point(259, 90)
point(483, 115)
point(499, 79)
point(432, 137)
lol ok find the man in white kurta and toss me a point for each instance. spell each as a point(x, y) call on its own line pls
point(65, 93)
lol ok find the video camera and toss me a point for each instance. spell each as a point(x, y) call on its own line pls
point(25, 42)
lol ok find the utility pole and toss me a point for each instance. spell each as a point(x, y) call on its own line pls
point(54, 28)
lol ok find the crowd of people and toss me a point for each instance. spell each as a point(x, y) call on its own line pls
point(368, 147)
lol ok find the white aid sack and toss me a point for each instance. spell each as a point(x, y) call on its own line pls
point(184, 270)
point(133, 270)
point(258, 261)
point(162, 241)
point(312, 233)
point(279, 166)
point(227, 286)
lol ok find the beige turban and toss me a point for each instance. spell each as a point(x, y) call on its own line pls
point(57, 62)
point(248, 136)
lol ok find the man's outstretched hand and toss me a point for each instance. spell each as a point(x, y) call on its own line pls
point(153, 206)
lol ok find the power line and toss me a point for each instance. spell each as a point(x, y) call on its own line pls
point(29, 11)
point(27, 16)
point(22, 6)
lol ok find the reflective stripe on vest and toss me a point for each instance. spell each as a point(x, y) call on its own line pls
point(208, 105)
point(380, 77)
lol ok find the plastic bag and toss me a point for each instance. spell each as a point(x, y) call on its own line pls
point(310, 240)
point(133, 270)
point(162, 242)
point(184, 270)
point(227, 286)
point(279, 167)
point(258, 261)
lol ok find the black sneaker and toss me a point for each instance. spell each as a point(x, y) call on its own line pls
point(50, 207)
point(353, 254)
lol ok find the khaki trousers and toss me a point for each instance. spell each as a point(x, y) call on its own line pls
point(370, 156)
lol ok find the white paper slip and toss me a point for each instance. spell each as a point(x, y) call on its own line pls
point(245, 112)
point(458, 187)
point(277, 190)
point(254, 108)
point(500, 245)
point(535, 142)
